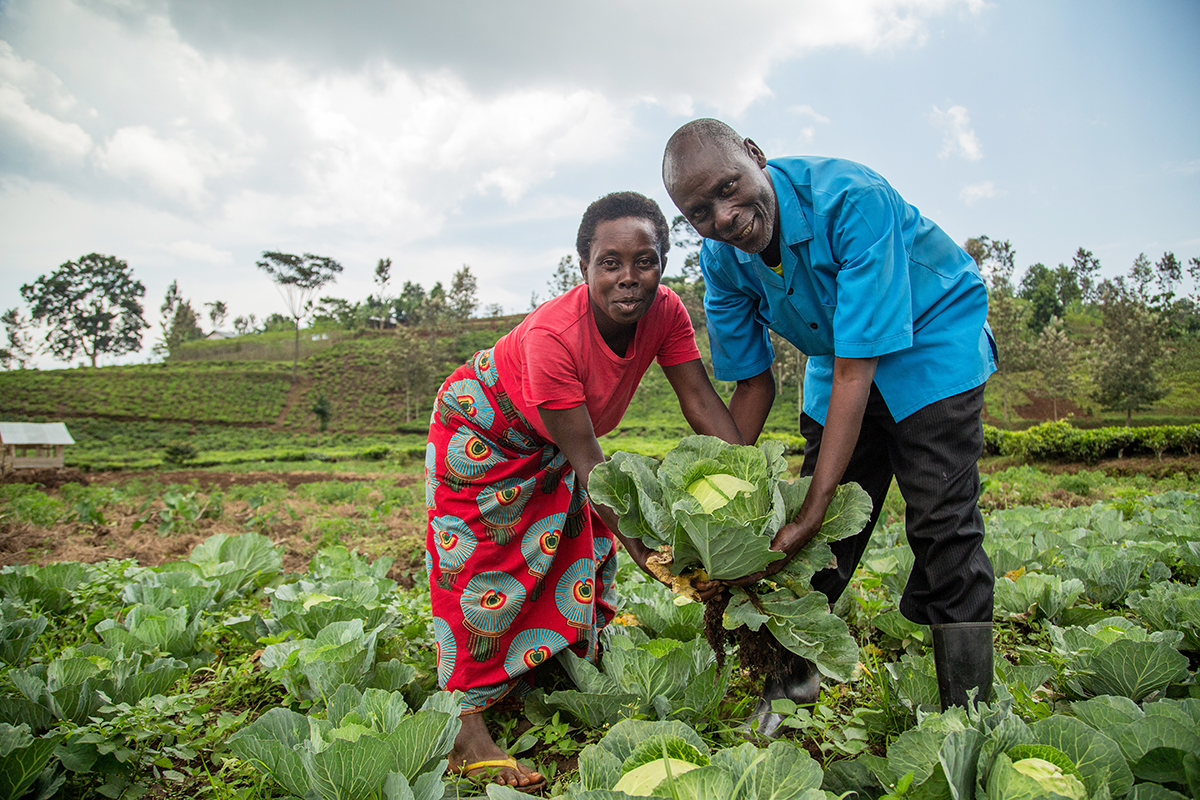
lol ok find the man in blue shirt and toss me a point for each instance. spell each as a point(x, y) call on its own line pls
point(893, 316)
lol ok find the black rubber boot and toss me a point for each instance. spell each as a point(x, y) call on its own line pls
point(962, 654)
point(801, 684)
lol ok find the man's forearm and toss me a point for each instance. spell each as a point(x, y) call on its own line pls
point(751, 403)
point(852, 380)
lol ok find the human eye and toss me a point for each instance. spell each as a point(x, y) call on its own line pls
point(728, 187)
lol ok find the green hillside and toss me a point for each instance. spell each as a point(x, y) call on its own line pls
point(233, 408)
point(231, 393)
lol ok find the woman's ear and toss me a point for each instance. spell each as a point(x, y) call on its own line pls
point(583, 269)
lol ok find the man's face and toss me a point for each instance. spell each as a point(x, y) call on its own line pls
point(726, 194)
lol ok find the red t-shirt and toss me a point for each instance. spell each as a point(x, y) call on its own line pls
point(556, 357)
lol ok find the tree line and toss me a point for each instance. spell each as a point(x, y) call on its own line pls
point(1126, 325)
point(93, 307)
point(1121, 328)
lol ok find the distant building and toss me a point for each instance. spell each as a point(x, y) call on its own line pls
point(32, 445)
point(221, 335)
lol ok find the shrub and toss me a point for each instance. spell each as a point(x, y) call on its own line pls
point(178, 452)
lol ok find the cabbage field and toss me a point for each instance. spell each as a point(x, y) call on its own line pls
point(273, 640)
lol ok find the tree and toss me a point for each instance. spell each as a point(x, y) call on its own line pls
point(322, 410)
point(1048, 291)
point(92, 307)
point(413, 366)
point(184, 327)
point(1140, 275)
point(180, 322)
point(1085, 267)
point(494, 310)
point(462, 300)
point(1127, 351)
point(1055, 356)
point(217, 312)
point(408, 305)
point(298, 279)
point(171, 299)
point(1007, 314)
point(383, 274)
point(244, 325)
point(1169, 273)
point(343, 313)
point(434, 307)
point(21, 347)
point(688, 283)
point(566, 276)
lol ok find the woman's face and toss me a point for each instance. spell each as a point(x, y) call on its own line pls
point(623, 270)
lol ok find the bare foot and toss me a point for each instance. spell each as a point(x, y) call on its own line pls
point(474, 743)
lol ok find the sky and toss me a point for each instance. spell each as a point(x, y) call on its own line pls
point(188, 136)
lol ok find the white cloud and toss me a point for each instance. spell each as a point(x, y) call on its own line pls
point(975, 192)
point(168, 166)
point(25, 91)
point(39, 130)
point(294, 125)
point(197, 251)
point(1187, 167)
point(809, 111)
point(958, 136)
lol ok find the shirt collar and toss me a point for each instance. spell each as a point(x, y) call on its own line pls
point(793, 224)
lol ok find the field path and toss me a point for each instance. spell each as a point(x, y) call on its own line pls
point(298, 391)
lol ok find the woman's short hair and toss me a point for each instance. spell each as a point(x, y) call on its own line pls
point(619, 205)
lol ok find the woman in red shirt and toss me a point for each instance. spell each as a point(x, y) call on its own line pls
point(521, 564)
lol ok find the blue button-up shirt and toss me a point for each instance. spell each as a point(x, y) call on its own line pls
point(864, 275)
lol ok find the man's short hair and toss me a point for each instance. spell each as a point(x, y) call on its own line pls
point(619, 205)
point(707, 130)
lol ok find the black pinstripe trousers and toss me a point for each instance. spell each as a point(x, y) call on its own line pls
point(934, 456)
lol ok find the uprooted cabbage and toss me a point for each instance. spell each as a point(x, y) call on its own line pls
point(711, 509)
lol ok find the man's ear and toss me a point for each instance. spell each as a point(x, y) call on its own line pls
point(756, 154)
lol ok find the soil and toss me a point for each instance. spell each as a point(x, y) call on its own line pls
point(396, 535)
point(1041, 408)
point(399, 535)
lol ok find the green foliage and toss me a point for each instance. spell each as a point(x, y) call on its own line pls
point(204, 392)
point(1127, 353)
point(22, 502)
point(92, 307)
point(322, 409)
point(368, 746)
point(1061, 441)
point(22, 758)
point(643, 677)
point(17, 632)
point(656, 504)
point(642, 753)
point(179, 452)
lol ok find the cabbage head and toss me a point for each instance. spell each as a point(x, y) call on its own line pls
point(1032, 779)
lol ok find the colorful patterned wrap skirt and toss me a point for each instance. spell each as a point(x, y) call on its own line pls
point(520, 566)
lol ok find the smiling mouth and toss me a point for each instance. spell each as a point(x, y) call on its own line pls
point(744, 232)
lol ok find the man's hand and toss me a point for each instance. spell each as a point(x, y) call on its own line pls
point(789, 540)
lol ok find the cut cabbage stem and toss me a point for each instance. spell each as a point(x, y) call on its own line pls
point(659, 565)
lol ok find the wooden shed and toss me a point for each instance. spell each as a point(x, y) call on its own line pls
point(32, 445)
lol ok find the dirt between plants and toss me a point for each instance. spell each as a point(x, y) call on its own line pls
point(398, 535)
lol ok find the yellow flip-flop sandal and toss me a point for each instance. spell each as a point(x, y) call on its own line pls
point(496, 763)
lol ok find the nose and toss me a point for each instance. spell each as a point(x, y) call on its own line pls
point(726, 217)
point(628, 276)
